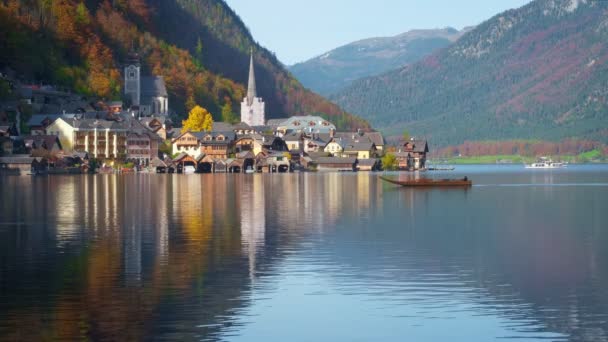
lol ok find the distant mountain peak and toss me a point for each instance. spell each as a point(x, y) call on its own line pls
point(335, 69)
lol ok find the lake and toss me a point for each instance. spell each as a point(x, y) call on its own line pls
point(522, 255)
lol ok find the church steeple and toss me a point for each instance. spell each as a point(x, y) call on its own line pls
point(252, 107)
point(251, 91)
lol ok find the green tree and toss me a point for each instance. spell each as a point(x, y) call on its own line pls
point(82, 14)
point(227, 113)
point(389, 162)
point(199, 119)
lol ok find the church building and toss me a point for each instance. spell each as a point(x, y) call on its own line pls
point(252, 107)
point(148, 95)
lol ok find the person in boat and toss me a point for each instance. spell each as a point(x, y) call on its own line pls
point(465, 178)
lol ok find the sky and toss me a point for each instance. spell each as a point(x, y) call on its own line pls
point(297, 30)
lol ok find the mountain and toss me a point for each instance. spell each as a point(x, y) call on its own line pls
point(200, 47)
point(537, 72)
point(337, 69)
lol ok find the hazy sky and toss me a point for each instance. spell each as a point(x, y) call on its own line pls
point(297, 30)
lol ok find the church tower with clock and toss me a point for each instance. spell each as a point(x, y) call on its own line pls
point(133, 80)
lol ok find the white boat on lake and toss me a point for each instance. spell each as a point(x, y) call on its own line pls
point(545, 163)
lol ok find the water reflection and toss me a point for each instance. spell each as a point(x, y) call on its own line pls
point(253, 220)
point(302, 257)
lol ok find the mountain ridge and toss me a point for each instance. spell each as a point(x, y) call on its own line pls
point(535, 72)
point(335, 69)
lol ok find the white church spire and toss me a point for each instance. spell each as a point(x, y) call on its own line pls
point(252, 107)
point(251, 91)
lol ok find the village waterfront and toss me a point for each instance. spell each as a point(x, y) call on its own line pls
point(522, 255)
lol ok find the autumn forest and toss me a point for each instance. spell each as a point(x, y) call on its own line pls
point(199, 47)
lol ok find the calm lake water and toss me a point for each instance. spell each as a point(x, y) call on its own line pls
point(522, 255)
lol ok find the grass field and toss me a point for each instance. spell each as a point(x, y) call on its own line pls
point(594, 156)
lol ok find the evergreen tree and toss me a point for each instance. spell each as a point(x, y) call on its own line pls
point(227, 113)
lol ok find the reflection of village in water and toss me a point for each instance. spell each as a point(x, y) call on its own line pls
point(178, 257)
point(115, 247)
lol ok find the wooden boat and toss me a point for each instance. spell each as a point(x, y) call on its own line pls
point(425, 182)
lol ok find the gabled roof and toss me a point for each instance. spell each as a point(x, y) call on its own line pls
point(90, 124)
point(368, 162)
point(419, 146)
point(245, 155)
point(41, 141)
point(197, 135)
point(174, 132)
point(222, 127)
point(147, 120)
point(316, 155)
point(181, 156)
point(317, 142)
point(365, 146)
point(376, 137)
point(242, 125)
point(230, 135)
point(156, 162)
point(293, 137)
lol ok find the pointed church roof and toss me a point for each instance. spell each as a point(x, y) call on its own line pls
point(251, 91)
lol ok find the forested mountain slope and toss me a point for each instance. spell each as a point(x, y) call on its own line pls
point(537, 72)
point(201, 48)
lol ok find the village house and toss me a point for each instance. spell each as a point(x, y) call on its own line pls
point(271, 162)
point(243, 129)
point(48, 143)
point(161, 125)
point(218, 145)
point(48, 99)
point(38, 123)
point(188, 143)
point(142, 146)
point(412, 156)
point(361, 136)
point(114, 107)
point(275, 123)
point(22, 164)
point(316, 142)
point(295, 142)
point(258, 143)
point(335, 147)
point(360, 150)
